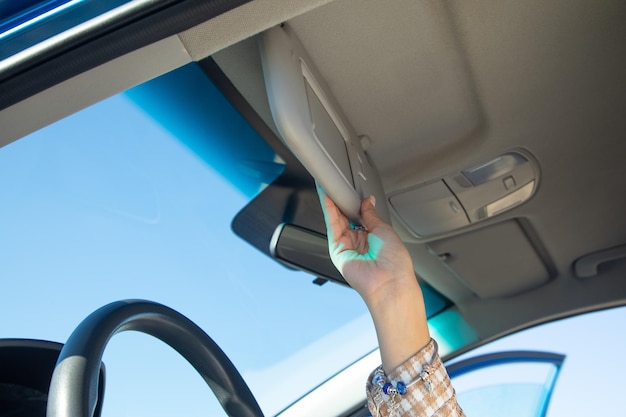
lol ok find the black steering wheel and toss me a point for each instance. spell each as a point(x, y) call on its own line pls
point(74, 386)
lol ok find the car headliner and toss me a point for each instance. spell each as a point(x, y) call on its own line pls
point(438, 87)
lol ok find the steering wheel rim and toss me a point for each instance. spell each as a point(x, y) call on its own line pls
point(74, 386)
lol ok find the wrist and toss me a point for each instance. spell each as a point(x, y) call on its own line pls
point(399, 317)
point(403, 290)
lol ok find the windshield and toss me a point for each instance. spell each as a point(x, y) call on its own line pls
point(114, 203)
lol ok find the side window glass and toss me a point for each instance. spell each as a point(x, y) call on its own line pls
point(514, 384)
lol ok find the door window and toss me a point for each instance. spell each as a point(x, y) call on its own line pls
point(514, 384)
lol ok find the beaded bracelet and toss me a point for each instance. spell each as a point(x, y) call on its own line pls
point(393, 392)
point(380, 379)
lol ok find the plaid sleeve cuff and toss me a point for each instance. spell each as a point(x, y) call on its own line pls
point(429, 391)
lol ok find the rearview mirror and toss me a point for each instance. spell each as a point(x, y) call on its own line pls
point(304, 249)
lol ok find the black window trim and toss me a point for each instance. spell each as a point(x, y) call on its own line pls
point(155, 22)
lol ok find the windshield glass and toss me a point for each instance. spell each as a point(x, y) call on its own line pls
point(112, 203)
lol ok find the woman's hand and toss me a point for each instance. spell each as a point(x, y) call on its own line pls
point(372, 259)
point(376, 263)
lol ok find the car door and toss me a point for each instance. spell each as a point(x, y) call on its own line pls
point(514, 383)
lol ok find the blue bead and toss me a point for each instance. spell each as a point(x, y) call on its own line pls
point(378, 379)
point(401, 387)
point(386, 388)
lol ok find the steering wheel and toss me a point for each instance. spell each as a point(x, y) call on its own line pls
point(74, 386)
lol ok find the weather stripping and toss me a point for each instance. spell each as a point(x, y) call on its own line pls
point(30, 22)
point(77, 31)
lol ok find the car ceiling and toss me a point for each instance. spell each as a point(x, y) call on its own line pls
point(440, 87)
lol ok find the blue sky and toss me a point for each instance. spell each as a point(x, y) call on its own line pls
point(108, 205)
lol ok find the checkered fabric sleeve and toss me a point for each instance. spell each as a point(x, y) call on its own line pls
point(425, 397)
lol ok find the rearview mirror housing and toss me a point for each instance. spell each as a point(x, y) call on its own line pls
point(304, 249)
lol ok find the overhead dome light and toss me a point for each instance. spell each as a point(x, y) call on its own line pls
point(467, 197)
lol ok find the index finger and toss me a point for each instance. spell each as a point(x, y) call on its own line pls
point(336, 222)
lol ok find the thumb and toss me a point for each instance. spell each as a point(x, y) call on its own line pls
point(370, 217)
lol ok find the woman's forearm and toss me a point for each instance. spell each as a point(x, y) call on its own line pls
point(400, 320)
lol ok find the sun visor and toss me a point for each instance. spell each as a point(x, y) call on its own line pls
point(313, 126)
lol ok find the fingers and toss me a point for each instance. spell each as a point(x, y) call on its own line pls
point(369, 215)
point(336, 222)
